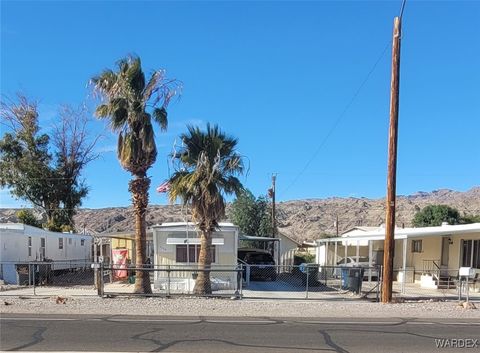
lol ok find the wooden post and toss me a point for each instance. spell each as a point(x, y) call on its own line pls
point(389, 246)
point(336, 225)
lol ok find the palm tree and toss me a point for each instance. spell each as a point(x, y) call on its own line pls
point(131, 103)
point(209, 165)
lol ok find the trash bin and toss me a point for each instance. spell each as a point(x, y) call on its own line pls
point(344, 277)
point(355, 279)
point(312, 270)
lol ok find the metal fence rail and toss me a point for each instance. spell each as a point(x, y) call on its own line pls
point(172, 280)
point(434, 283)
point(309, 281)
point(72, 277)
point(306, 281)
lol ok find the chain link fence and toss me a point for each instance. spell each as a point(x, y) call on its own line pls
point(72, 277)
point(306, 281)
point(172, 280)
point(309, 281)
point(436, 284)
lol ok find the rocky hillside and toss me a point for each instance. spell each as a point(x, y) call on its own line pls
point(301, 219)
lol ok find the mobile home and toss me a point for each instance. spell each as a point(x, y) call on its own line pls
point(177, 246)
point(20, 244)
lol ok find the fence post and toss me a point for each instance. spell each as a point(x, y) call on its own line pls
point(326, 276)
point(34, 280)
point(379, 282)
point(238, 281)
point(247, 275)
point(306, 284)
point(168, 280)
point(99, 279)
point(240, 275)
point(468, 288)
point(102, 282)
point(460, 288)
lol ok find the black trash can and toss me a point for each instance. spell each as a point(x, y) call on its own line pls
point(355, 279)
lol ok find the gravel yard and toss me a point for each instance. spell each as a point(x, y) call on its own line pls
point(243, 308)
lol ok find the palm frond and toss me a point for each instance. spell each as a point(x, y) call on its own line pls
point(210, 165)
point(105, 82)
point(102, 111)
point(160, 117)
point(127, 98)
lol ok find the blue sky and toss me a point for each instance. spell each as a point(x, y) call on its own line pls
point(277, 75)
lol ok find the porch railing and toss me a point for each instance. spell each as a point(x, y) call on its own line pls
point(431, 267)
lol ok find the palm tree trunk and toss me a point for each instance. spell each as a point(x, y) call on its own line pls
point(139, 189)
point(202, 284)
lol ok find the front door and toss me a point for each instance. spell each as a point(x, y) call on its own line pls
point(445, 251)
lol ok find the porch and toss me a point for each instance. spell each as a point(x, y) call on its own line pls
point(427, 257)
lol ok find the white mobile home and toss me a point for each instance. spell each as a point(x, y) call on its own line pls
point(177, 246)
point(20, 244)
point(428, 256)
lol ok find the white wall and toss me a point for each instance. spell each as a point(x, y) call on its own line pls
point(14, 244)
point(165, 254)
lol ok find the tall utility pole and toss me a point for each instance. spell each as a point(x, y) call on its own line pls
point(336, 224)
point(389, 245)
point(274, 223)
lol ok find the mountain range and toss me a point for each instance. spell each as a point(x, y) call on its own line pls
point(300, 219)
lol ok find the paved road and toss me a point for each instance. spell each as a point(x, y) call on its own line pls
point(196, 334)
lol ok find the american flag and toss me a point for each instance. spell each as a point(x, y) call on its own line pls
point(164, 187)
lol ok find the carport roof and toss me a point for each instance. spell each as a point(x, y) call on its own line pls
point(404, 233)
point(251, 237)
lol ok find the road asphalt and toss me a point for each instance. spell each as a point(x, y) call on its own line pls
point(232, 334)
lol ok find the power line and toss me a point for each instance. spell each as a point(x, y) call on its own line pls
point(339, 119)
point(402, 8)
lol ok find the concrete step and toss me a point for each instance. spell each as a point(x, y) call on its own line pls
point(446, 283)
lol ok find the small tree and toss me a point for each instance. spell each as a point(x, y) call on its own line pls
point(44, 171)
point(252, 215)
point(435, 215)
point(466, 219)
point(27, 217)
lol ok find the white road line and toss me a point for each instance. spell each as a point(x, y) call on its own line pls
point(34, 319)
point(460, 323)
point(220, 321)
point(153, 320)
point(242, 321)
point(349, 322)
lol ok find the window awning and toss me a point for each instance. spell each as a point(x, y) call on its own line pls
point(193, 241)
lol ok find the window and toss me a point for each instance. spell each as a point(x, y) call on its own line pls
point(29, 246)
point(82, 242)
point(42, 249)
point(69, 241)
point(60, 243)
point(416, 246)
point(193, 253)
point(471, 253)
